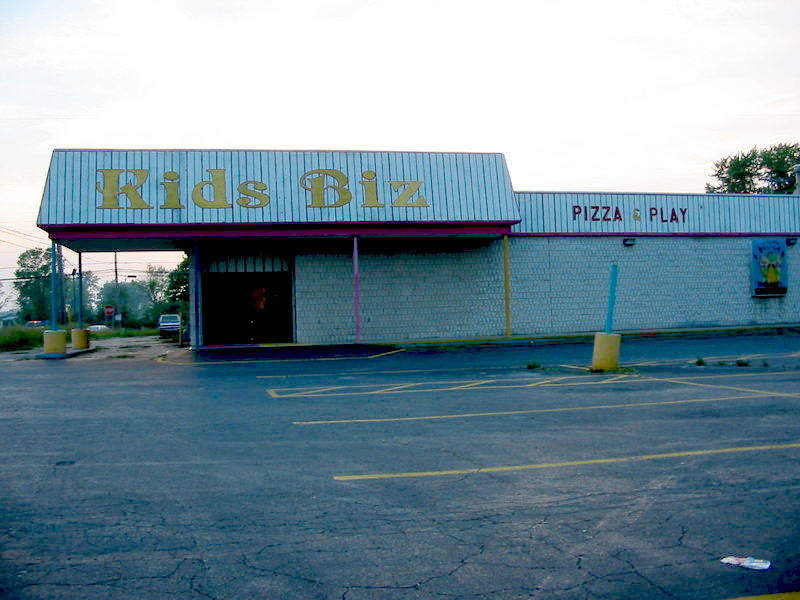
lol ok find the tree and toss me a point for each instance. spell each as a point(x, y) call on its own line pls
point(33, 285)
point(131, 299)
point(156, 281)
point(758, 171)
point(5, 298)
point(90, 288)
point(178, 287)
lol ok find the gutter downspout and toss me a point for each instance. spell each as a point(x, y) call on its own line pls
point(356, 291)
point(507, 284)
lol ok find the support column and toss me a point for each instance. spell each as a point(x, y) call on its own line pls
point(195, 301)
point(80, 291)
point(507, 283)
point(62, 300)
point(356, 291)
point(53, 287)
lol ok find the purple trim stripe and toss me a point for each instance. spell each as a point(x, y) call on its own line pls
point(641, 234)
point(146, 232)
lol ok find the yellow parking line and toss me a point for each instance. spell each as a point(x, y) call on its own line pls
point(783, 596)
point(467, 386)
point(432, 386)
point(394, 372)
point(721, 387)
point(311, 392)
point(361, 389)
point(496, 384)
point(393, 388)
point(544, 382)
point(532, 411)
point(736, 375)
point(570, 463)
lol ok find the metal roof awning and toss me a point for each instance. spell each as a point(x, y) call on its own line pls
point(101, 200)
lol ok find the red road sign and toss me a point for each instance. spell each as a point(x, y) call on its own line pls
point(109, 310)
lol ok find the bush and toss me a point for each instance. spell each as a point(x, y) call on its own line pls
point(17, 337)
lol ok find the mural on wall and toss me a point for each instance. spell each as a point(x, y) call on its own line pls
point(769, 267)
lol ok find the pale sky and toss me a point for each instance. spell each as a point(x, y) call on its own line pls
point(580, 95)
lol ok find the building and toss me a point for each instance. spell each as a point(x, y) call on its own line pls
point(343, 247)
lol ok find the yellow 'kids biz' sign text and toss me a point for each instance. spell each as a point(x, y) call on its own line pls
point(327, 188)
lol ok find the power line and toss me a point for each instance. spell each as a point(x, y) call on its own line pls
point(28, 278)
point(18, 245)
point(23, 234)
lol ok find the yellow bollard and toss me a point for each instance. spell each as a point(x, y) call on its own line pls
point(55, 341)
point(605, 356)
point(80, 339)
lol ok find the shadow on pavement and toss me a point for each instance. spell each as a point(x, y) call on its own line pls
point(285, 352)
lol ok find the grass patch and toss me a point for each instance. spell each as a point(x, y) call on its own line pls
point(123, 333)
point(17, 337)
point(700, 362)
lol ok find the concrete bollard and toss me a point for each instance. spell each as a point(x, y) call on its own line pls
point(80, 339)
point(605, 356)
point(55, 341)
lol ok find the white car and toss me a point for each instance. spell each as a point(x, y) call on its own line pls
point(98, 328)
point(169, 324)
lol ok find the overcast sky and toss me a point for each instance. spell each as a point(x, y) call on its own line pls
point(619, 95)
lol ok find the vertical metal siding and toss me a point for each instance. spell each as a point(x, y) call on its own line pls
point(457, 187)
point(551, 213)
point(246, 263)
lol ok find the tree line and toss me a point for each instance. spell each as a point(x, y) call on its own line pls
point(139, 301)
point(757, 171)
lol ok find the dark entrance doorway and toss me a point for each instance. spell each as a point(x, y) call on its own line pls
point(247, 308)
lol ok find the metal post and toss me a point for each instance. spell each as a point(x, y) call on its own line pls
point(62, 300)
point(356, 291)
point(612, 298)
point(53, 287)
point(80, 291)
point(196, 300)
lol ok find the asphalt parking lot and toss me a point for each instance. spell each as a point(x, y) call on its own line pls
point(457, 473)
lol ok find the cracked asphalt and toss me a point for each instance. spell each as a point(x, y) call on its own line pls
point(442, 473)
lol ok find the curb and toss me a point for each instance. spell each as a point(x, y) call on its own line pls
point(58, 355)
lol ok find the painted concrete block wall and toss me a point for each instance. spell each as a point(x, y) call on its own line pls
point(323, 292)
point(440, 290)
point(447, 293)
point(560, 285)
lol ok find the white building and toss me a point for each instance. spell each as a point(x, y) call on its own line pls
point(343, 247)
